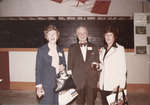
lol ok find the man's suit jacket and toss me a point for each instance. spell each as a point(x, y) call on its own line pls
point(81, 70)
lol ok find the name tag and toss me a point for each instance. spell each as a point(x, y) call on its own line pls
point(89, 48)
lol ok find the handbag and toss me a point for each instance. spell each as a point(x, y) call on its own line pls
point(118, 98)
point(64, 81)
point(67, 96)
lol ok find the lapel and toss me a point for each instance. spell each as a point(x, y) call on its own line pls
point(60, 55)
point(47, 57)
point(110, 52)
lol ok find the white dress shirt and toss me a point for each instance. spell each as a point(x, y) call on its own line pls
point(84, 51)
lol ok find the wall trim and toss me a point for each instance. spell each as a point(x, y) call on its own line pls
point(22, 85)
point(35, 49)
point(31, 86)
point(141, 88)
point(18, 49)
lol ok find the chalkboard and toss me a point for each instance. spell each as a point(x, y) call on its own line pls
point(28, 33)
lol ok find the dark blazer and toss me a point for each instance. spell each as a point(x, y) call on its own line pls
point(46, 74)
point(81, 70)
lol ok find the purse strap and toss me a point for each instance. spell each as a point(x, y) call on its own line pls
point(125, 102)
point(116, 97)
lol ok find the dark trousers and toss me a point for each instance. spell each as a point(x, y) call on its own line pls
point(86, 95)
point(104, 94)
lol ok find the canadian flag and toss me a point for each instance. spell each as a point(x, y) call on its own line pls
point(93, 6)
point(101, 6)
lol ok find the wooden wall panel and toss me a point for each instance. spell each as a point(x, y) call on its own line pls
point(131, 88)
point(4, 70)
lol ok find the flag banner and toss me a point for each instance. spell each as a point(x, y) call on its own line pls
point(93, 6)
point(101, 6)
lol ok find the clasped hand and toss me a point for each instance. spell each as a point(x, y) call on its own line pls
point(40, 92)
point(95, 66)
point(61, 68)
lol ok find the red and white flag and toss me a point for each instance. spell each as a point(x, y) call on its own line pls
point(101, 6)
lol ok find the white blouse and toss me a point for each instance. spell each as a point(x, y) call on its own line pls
point(55, 58)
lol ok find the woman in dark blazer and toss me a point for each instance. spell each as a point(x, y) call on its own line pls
point(50, 60)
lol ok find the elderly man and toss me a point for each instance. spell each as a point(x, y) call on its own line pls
point(80, 57)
